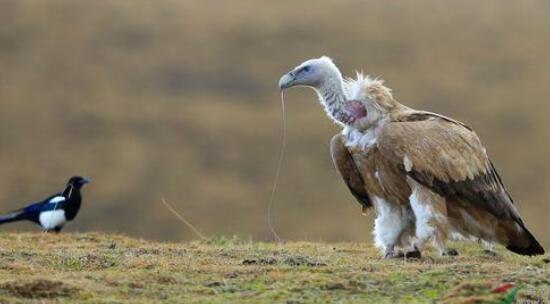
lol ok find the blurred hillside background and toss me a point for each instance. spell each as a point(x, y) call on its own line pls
point(178, 100)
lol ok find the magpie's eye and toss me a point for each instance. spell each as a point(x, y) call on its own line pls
point(306, 69)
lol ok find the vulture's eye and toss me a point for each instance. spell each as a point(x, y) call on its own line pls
point(306, 69)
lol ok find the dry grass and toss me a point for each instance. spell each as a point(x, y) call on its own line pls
point(98, 268)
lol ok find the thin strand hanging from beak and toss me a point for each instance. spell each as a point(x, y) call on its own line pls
point(270, 213)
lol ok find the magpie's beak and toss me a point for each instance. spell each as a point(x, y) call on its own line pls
point(287, 81)
point(85, 181)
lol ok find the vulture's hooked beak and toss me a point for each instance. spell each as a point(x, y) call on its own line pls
point(287, 81)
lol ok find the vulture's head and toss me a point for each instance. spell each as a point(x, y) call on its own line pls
point(314, 73)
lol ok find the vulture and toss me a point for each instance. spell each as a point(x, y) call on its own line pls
point(427, 176)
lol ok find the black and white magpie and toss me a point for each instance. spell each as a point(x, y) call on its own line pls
point(55, 211)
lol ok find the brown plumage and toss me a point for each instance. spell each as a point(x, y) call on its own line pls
point(428, 176)
point(346, 165)
point(448, 158)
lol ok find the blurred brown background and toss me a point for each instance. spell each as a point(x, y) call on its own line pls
point(178, 100)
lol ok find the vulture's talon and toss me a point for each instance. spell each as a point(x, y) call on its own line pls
point(451, 252)
point(414, 254)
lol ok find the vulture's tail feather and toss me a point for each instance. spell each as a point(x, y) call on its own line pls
point(12, 217)
point(533, 246)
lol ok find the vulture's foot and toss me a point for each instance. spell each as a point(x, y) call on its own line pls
point(390, 253)
point(393, 255)
point(490, 253)
point(450, 252)
point(413, 254)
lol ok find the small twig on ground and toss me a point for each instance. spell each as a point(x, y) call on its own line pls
point(183, 220)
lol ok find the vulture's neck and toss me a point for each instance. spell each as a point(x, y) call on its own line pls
point(332, 97)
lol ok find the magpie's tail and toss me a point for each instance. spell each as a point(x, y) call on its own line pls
point(13, 217)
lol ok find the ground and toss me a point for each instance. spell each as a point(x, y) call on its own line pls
point(99, 268)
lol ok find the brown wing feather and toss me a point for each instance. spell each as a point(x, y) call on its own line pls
point(347, 168)
point(450, 159)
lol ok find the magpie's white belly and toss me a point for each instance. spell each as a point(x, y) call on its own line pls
point(51, 219)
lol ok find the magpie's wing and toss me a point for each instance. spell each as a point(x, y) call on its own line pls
point(52, 202)
point(55, 198)
point(32, 211)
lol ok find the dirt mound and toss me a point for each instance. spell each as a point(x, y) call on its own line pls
point(39, 289)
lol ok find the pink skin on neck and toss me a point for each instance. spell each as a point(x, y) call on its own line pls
point(353, 110)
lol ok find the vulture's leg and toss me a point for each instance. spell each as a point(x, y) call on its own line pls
point(407, 238)
point(390, 253)
point(394, 224)
point(488, 248)
point(430, 211)
point(392, 227)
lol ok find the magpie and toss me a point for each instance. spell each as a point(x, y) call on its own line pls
point(55, 211)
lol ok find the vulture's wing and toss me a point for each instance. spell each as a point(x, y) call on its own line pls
point(448, 157)
point(348, 170)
